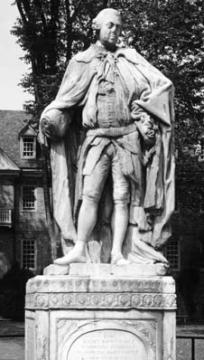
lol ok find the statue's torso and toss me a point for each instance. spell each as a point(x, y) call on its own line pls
point(112, 99)
point(108, 97)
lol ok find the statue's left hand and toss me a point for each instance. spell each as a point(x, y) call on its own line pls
point(146, 127)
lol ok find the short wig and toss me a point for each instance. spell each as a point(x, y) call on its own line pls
point(98, 20)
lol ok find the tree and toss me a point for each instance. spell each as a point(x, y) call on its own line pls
point(169, 33)
point(50, 31)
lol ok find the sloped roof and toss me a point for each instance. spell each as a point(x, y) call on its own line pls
point(28, 130)
point(6, 164)
point(11, 123)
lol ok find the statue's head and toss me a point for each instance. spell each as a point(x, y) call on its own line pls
point(108, 25)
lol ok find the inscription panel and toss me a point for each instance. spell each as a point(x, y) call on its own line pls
point(107, 344)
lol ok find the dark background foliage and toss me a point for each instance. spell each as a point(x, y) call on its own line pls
point(168, 33)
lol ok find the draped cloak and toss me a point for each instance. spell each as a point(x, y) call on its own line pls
point(149, 226)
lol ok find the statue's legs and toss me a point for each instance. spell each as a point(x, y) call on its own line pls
point(93, 185)
point(119, 225)
point(86, 222)
point(92, 191)
point(120, 216)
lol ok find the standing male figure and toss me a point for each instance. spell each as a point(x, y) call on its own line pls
point(126, 117)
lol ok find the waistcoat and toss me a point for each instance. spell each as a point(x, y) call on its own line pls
point(112, 99)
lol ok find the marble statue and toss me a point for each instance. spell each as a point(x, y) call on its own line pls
point(109, 131)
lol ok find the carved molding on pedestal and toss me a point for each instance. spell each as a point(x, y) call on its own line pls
point(101, 301)
point(64, 284)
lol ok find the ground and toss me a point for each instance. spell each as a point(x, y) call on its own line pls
point(12, 348)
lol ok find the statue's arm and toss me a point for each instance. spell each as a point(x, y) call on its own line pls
point(56, 117)
point(155, 91)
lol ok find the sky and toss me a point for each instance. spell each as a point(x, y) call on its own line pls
point(12, 96)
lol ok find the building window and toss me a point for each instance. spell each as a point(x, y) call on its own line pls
point(5, 217)
point(172, 253)
point(29, 197)
point(28, 147)
point(29, 254)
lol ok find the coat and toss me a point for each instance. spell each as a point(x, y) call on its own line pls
point(149, 221)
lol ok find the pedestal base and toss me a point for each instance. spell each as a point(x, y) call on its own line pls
point(103, 270)
point(112, 317)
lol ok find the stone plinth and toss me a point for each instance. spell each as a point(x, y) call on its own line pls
point(94, 317)
point(103, 270)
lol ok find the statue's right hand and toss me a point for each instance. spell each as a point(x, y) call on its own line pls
point(54, 124)
point(88, 123)
point(48, 128)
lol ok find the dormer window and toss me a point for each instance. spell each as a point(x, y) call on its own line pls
point(28, 143)
point(28, 147)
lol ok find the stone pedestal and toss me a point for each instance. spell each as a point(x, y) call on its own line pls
point(100, 317)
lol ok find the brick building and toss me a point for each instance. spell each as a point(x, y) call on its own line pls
point(187, 243)
point(23, 233)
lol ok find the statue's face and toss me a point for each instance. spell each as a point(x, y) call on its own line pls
point(110, 31)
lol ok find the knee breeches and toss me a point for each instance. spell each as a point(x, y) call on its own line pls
point(94, 183)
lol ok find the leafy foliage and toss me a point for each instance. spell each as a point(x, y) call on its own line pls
point(169, 33)
point(50, 31)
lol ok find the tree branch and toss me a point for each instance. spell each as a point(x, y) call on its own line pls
point(74, 15)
